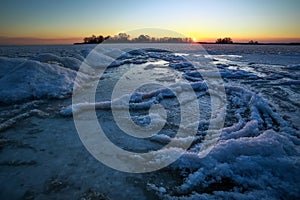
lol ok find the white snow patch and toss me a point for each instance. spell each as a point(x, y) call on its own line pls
point(35, 80)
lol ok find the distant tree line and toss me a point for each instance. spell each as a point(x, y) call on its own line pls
point(228, 40)
point(143, 38)
point(125, 38)
point(94, 39)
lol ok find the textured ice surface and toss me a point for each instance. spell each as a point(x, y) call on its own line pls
point(255, 157)
point(256, 146)
point(68, 62)
point(27, 79)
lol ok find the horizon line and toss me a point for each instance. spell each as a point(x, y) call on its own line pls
point(14, 41)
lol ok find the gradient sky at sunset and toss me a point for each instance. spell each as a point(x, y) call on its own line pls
point(242, 20)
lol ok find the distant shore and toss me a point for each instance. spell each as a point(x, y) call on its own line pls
point(213, 43)
point(235, 43)
point(245, 43)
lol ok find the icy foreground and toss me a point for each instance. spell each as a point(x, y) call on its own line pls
point(255, 155)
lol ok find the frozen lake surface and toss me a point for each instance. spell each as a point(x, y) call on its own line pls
point(248, 98)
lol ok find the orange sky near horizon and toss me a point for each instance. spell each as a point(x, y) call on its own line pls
point(66, 21)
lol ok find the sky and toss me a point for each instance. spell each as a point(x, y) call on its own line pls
point(59, 21)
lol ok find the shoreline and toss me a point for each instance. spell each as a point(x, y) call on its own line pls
point(242, 43)
point(211, 43)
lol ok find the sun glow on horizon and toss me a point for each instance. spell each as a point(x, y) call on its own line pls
point(205, 21)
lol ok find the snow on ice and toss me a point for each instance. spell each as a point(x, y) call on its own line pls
point(257, 153)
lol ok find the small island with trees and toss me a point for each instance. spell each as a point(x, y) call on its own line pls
point(125, 38)
point(228, 40)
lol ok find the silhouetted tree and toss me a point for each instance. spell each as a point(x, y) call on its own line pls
point(142, 38)
point(253, 42)
point(226, 40)
point(94, 39)
point(86, 40)
point(123, 37)
point(100, 39)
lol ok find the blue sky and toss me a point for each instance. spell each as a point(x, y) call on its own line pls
point(203, 19)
